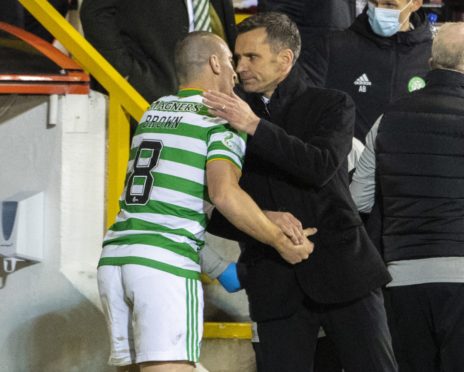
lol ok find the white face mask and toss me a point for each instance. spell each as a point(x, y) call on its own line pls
point(385, 22)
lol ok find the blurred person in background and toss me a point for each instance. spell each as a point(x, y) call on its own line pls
point(315, 18)
point(382, 56)
point(139, 37)
point(414, 161)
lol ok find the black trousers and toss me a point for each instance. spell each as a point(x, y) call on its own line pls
point(427, 324)
point(358, 330)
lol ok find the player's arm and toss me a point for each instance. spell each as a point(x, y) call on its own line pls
point(312, 159)
point(362, 187)
point(238, 207)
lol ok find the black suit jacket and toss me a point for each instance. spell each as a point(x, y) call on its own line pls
point(296, 162)
point(139, 37)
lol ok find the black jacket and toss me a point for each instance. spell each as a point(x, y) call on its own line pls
point(139, 37)
point(420, 165)
point(296, 162)
point(314, 18)
point(373, 70)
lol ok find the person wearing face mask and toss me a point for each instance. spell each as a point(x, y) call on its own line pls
point(385, 21)
point(382, 56)
point(373, 68)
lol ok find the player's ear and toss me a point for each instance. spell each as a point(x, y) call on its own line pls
point(416, 4)
point(214, 64)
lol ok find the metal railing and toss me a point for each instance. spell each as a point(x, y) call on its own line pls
point(124, 100)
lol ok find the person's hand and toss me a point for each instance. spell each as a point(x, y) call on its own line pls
point(229, 278)
point(233, 109)
point(292, 253)
point(289, 225)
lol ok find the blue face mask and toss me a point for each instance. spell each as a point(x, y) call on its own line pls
point(385, 22)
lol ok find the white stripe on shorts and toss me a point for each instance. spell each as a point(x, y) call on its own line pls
point(193, 342)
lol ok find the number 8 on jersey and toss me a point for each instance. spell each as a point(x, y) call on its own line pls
point(140, 182)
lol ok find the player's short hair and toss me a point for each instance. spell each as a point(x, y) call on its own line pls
point(193, 52)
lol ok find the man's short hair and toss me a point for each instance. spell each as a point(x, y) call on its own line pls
point(282, 32)
point(448, 47)
point(192, 53)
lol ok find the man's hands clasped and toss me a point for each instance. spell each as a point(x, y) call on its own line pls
point(294, 245)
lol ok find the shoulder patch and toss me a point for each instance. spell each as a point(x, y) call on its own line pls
point(415, 83)
point(230, 142)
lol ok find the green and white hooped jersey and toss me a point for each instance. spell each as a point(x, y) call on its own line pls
point(165, 205)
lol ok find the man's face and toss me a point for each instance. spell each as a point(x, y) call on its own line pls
point(228, 75)
point(406, 7)
point(258, 66)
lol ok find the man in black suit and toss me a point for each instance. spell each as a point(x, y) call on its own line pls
point(138, 37)
point(299, 139)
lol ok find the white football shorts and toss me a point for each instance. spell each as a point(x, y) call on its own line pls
point(151, 315)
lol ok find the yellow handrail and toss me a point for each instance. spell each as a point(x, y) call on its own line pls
point(124, 100)
point(240, 331)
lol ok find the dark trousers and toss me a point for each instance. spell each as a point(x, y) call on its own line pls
point(358, 330)
point(325, 358)
point(427, 324)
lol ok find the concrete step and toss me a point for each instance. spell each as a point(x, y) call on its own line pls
point(227, 355)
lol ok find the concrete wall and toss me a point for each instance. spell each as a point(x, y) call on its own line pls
point(48, 321)
point(50, 318)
